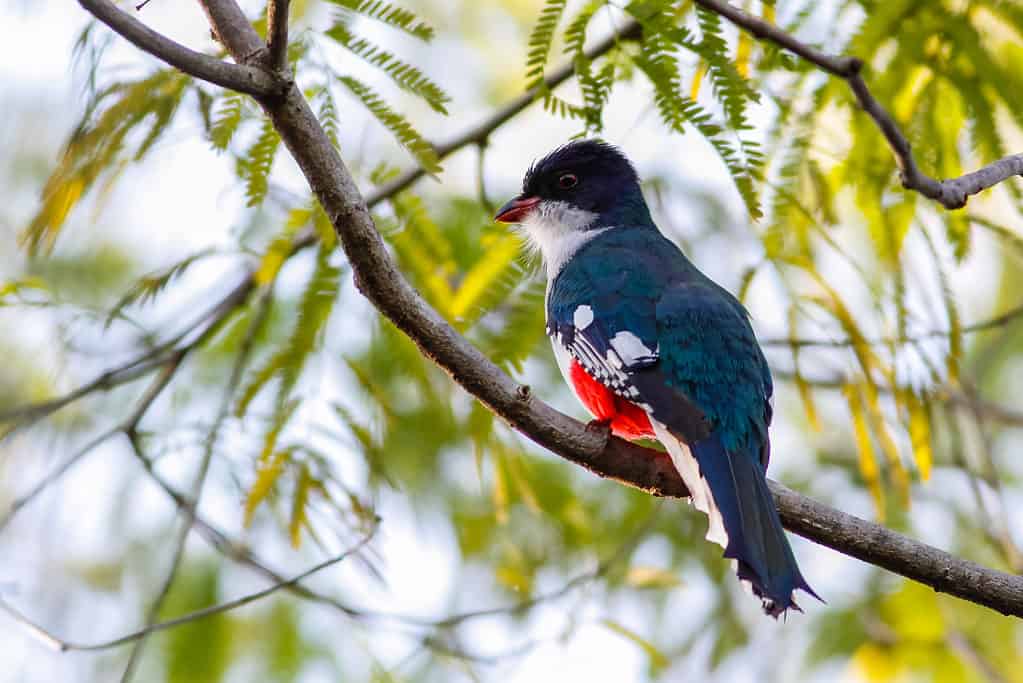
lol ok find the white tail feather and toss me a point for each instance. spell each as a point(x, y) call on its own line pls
point(699, 491)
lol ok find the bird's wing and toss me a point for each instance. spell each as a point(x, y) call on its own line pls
point(710, 354)
point(595, 335)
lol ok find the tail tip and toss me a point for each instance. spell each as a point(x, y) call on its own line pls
point(775, 607)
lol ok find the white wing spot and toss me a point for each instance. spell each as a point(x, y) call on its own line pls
point(583, 317)
point(631, 348)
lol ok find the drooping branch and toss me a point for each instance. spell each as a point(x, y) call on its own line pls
point(379, 280)
point(252, 80)
point(952, 193)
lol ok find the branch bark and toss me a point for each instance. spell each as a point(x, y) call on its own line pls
point(277, 34)
point(952, 193)
point(382, 283)
point(251, 80)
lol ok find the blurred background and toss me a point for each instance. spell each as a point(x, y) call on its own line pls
point(178, 324)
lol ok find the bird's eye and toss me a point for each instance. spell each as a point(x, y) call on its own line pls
point(566, 181)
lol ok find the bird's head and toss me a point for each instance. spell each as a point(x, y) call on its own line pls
point(584, 185)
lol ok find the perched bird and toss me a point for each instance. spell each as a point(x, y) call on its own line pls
point(642, 336)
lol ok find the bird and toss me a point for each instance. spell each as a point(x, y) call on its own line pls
point(653, 348)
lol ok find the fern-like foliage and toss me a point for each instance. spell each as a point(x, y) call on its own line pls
point(541, 39)
point(150, 286)
point(254, 166)
point(658, 60)
point(595, 86)
point(326, 113)
point(403, 74)
point(390, 14)
point(98, 147)
point(399, 126)
point(730, 87)
point(287, 362)
point(226, 120)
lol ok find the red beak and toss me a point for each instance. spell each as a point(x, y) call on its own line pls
point(515, 210)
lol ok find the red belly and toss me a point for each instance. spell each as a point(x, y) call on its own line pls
point(627, 420)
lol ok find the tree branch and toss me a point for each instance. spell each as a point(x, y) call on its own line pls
point(952, 193)
point(277, 34)
point(251, 80)
point(382, 283)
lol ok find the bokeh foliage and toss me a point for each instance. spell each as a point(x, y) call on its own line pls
point(880, 364)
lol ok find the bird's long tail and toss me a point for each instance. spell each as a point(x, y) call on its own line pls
point(732, 490)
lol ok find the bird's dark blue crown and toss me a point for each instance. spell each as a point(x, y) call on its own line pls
point(596, 156)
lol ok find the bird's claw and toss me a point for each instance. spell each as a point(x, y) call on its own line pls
point(602, 426)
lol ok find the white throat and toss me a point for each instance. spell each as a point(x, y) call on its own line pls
point(557, 230)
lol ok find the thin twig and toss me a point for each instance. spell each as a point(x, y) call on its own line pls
point(140, 366)
point(235, 551)
point(169, 367)
point(251, 80)
point(189, 511)
point(215, 316)
point(61, 645)
point(982, 326)
point(952, 193)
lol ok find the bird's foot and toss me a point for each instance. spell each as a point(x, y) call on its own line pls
point(602, 427)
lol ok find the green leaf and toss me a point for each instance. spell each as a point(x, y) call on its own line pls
point(540, 40)
point(405, 75)
point(226, 121)
point(390, 14)
point(150, 286)
point(399, 126)
point(287, 362)
point(254, 166)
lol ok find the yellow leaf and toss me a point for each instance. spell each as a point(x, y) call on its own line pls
point(271, 262)
point(298, 506)
point(904, 104)
point(742, 54)
point(267, 474)
point(920, 434)
point(875, 663)
point(802, 386)
point(279, 248)
point(865, 448)
point(657, 658)
point(482, 276)
point(887, 441)
point(701, 71)
point(513, 578)
point(651, 577)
